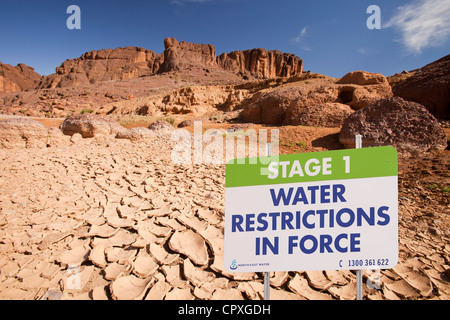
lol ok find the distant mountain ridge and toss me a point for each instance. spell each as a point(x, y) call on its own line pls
point(134, 62)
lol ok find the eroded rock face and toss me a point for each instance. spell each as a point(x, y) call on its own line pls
point(284, 105)
point(133, 62)
point(429, 86)
point(22, 133)
point(104, 65)
point(90, 125)
point(183, 55)
point(360, 89)
point(407, 126)
point(18, 78)
point(261, 63)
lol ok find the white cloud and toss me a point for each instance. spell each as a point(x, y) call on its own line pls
point(423, 23)
point(299, 40)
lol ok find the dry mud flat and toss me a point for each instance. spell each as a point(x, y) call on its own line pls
point(110, 219)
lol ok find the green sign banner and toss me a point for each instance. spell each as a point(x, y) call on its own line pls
point(317, 166)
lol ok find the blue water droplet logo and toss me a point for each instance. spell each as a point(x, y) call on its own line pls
point(233, 265)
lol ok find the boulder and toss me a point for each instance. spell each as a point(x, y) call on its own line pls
point(22, 133)
point(90, 125)
point(161, 126)
point(429, 86)
point(269, 106)
point(136, 134)
point(329, 115)
point(407, 126)
point(363, 78)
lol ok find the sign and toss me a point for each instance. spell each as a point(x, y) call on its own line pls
point(334, 210)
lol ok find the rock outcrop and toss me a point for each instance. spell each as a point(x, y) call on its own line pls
point(22, 133)
point(261, 63)
point(104, 65)
point(429, 86)
point(361, 88)
point(18, 78)
point(90, 125)
point(407, 126)
point(284, 105)
point(183, 55)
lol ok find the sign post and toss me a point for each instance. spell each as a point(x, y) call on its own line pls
point(333, 210)
point(359, 278)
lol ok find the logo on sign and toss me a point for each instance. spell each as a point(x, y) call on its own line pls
point(233, 265)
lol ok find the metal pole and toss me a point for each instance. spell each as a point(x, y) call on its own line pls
point(267, 274)
point(359, 278)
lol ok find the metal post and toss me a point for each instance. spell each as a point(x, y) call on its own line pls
point(359, 278)
point(267, 274)
point(266, 285)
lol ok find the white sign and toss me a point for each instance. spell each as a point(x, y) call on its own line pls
point(319, 211)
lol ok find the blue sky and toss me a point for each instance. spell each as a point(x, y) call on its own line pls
point(330, 36)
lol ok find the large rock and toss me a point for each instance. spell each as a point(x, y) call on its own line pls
point(18, 78)
point(90, 125)
point(360, 89)
point(136, 134)
point(183, 55)
point(329, 115)
point(22, 133)
point(160, 126)
point(269, 106)
point(429, 86)
point(407, 126)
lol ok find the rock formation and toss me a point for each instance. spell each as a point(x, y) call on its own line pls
point(261, 63)
point(361, 88)
point(284, 105)
point(90, 125)
point(407, 126)
point(18, 78)
point(429, 86)
point(134, 62)
point(104, 65)
point(183, 55)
